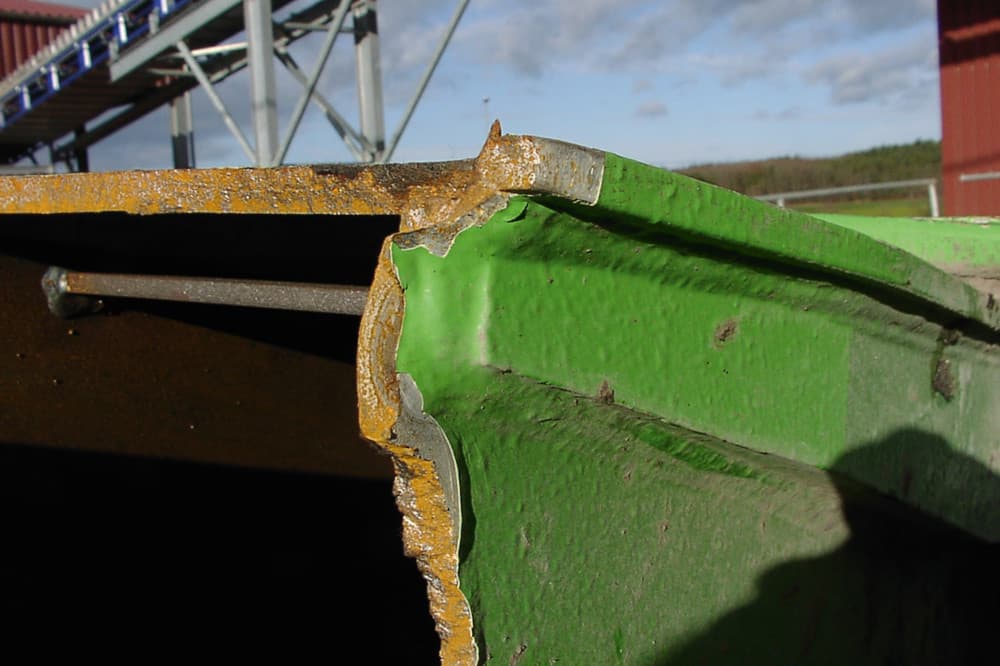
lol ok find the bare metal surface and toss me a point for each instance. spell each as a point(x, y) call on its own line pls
point(568, 170)
point(536, 165)
point(419, 430)
point(61, 286)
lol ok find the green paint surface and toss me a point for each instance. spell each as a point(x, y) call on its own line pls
point(654, 199)
point(943, 242)
point(643, 396)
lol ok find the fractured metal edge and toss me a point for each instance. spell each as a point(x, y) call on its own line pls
point(429, 528)
point(438, 239)
point(390, 404)
point(420, 431)
point(534, 165)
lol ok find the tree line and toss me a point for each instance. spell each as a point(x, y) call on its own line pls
point(920, 159)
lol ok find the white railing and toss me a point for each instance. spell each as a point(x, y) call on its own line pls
point(930, 183)
point(984, 175)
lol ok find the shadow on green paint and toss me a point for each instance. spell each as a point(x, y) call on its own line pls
point(904, 589)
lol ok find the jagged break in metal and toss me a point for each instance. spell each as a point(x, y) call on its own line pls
point(421, 432)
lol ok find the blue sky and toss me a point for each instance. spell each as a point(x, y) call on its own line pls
point(670, 82)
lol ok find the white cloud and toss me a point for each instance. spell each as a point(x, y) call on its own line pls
point(651, 109)
point(728, 41)
point(780, 115)
point(761, 38)
point(642, 85)
point(880, 76)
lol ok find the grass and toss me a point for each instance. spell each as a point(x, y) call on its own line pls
point(902, 207)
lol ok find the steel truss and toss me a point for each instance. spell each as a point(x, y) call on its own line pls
point(164, 39)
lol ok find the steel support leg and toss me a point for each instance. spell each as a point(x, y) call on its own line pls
point(182, 132)
point(80, 155)
point(263, 90)
point(369, 74)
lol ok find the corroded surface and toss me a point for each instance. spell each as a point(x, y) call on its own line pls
point(427, 526)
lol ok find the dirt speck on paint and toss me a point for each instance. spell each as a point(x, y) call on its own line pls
point(725, 331)
point(515, 658)
point(605, 393)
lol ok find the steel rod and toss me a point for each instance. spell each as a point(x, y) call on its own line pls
point(65, 288)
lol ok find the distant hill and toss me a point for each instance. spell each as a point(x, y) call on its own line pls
point(920, 159)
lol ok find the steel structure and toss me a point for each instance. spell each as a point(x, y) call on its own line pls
point(136, 55)
point(633, 417)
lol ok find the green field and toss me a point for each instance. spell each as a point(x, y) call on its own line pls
point(902, 207)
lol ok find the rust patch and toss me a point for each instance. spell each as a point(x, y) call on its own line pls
point(427, 525)
point(726, 331)
point(943, 381)
point(605, 393)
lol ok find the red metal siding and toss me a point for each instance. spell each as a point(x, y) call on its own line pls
point(27, 26)
point(20, 40)
point(969, 51)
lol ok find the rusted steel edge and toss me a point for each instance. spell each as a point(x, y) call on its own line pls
point(428, 496)
point(421, 194)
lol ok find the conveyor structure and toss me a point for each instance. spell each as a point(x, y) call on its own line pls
point(129, 57)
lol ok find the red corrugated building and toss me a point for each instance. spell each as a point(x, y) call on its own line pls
point(969, 51)
point(27, 26)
